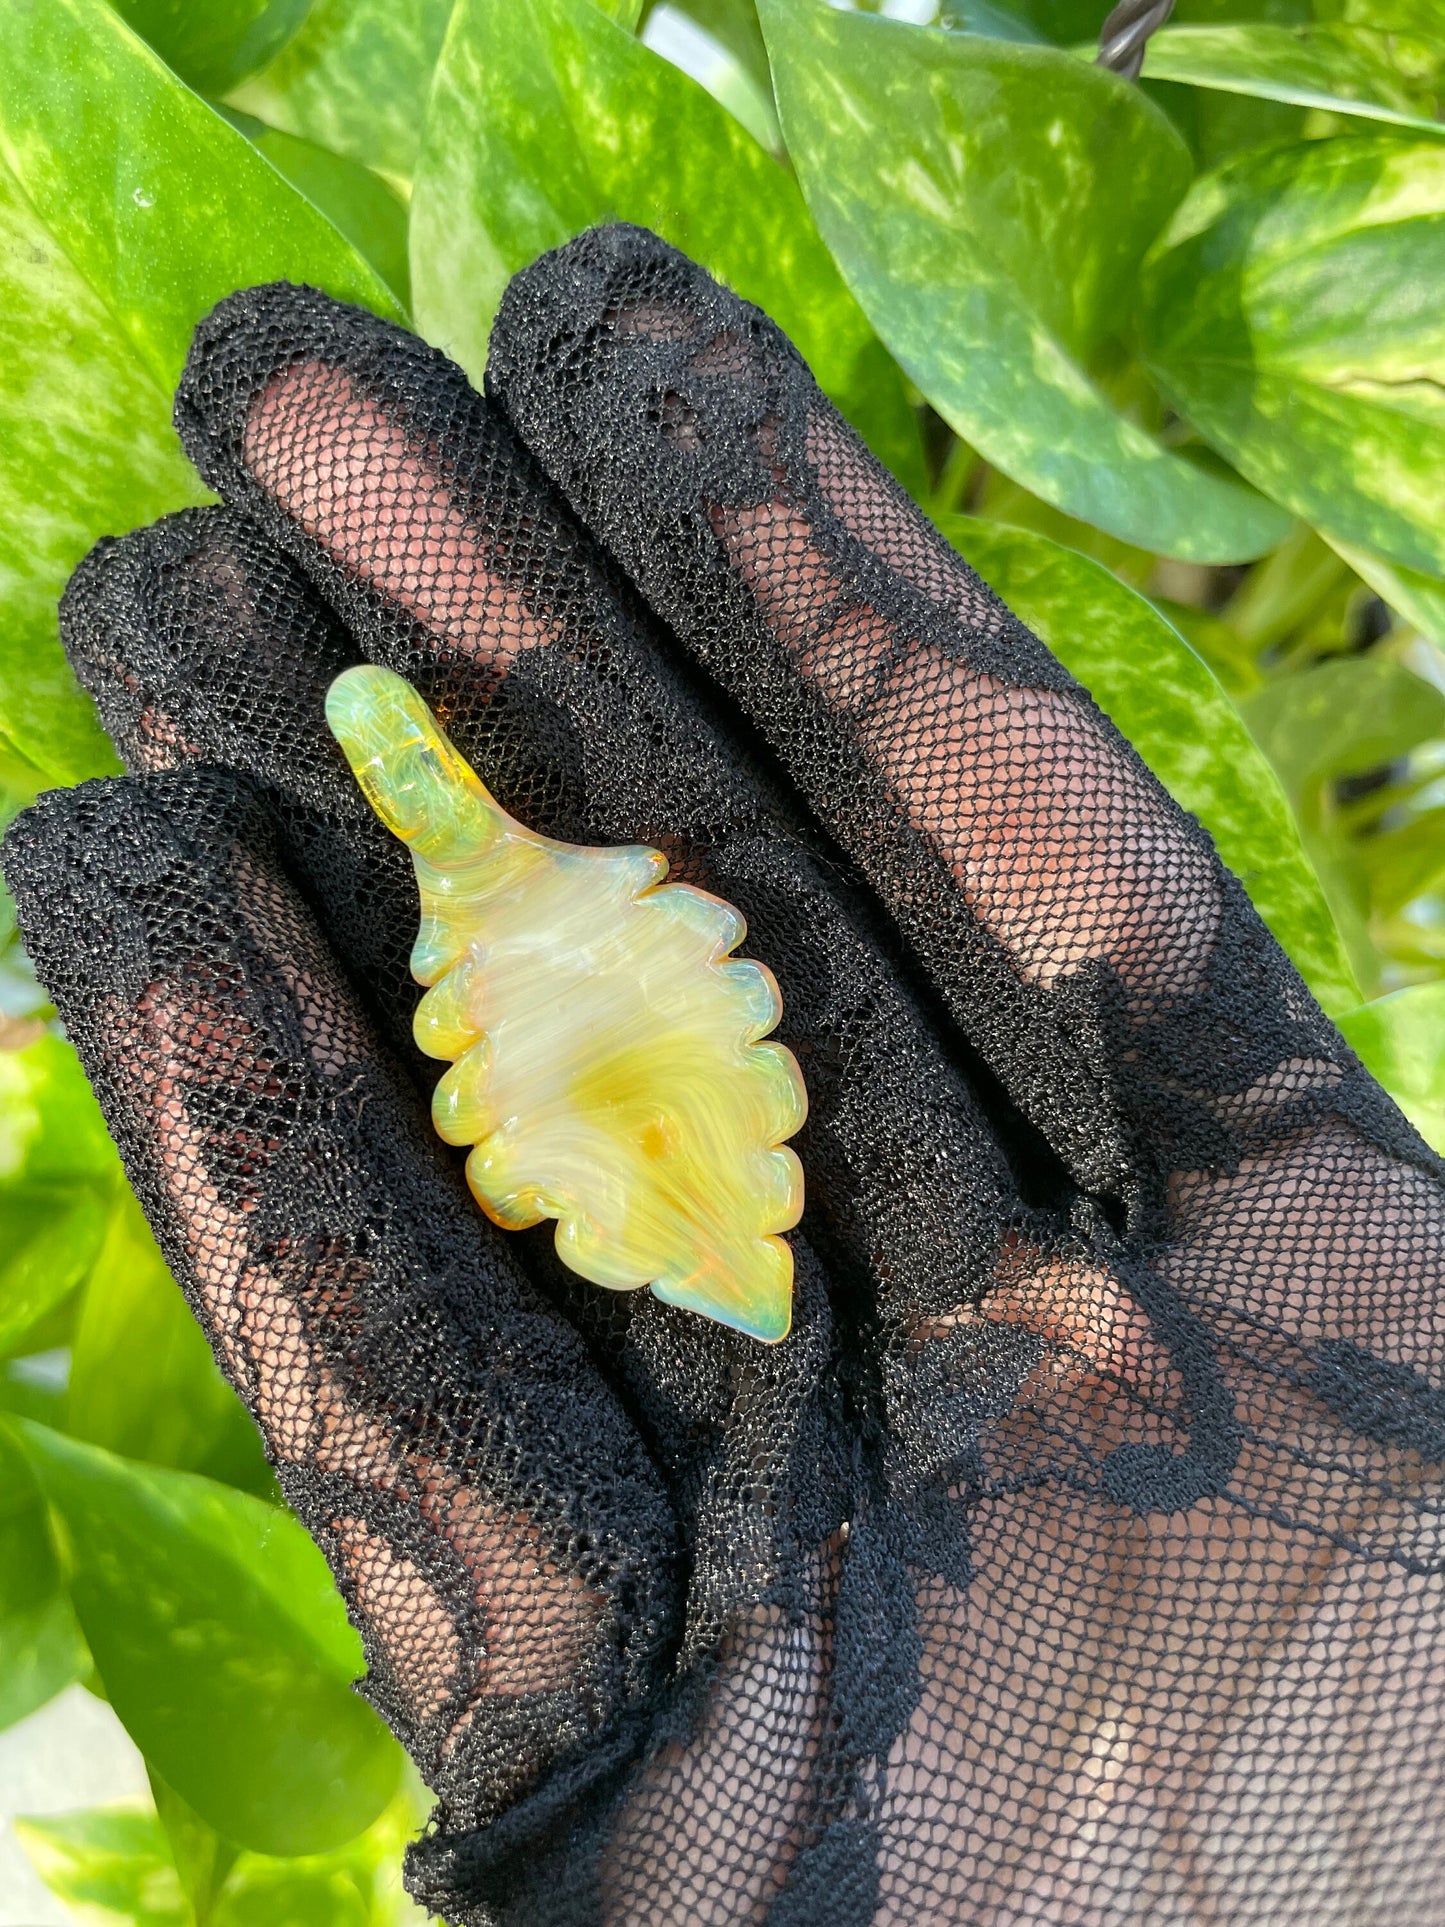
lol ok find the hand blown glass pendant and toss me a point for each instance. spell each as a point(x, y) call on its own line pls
point(606, 1062)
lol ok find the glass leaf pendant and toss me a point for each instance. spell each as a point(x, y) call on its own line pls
point(606, 1053)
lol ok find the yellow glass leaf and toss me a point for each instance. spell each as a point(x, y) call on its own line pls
point(606, 1055)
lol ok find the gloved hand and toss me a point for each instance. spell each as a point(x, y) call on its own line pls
point(1077, 1556)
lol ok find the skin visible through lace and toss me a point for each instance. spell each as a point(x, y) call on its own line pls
point(1067, 861)
point(1032, 866)
point(431, 561)
point(1108, 1683)
point(1068, 858)
point(308, 1414)
point(1020, 790)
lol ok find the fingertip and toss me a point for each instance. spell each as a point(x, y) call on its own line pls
point(245, 341)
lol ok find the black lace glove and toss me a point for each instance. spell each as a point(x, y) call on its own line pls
point(1076, 1559)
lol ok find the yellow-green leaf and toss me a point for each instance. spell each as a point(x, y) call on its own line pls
point(127, 209)
point(1401, 1041)
point(545, 119)
point(1293, 313)
point(970, 190)
point(223, 1646)
point(1343, 69)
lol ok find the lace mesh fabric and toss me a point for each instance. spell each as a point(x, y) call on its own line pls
point(1077, 1557)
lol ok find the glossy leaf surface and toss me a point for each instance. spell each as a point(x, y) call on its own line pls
point(1334, 720)
point(364, 206)
point(223, 1647)
point(58, 1173)
point(143, 1382)
point(355, 79)
point(127, 209)
point(159, 205)
point(1343, 69)
point(213, 45)
point(1401, 1039)
point(41, 1648)
point(108, 1864)
point(1169, 704)
point(733, 24)
point(956, 181)
point(86, 447)
point(117, 1864)
point(1293, 314)
point(722, 48)
point(545, 119)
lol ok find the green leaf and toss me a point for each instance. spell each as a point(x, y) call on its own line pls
point(117, 1864)
point(1341, 719)
point(199, 1854)
point(994, 23)
point(1401, 1041)
point(355, 79)
point(1346, 70)
point(358, 1886)
point(1419, 598)
point(364, 206)
point(1401, 865)
point(214, 44)
point(143, 1382)
point(51, 1129)
point(24, 1005)
point(733, 24)
point(108, 1863)
point(1229, 654)
point(160, 205)
point(1145, 676)
point(1292, 313)
point(223, 1646)
point(86, 447)
point(41, 1648)
point(721, 46)
point(51, 1242)
point(961, 183)
point(127, 209)
point(58, 1176)
point(546, 119)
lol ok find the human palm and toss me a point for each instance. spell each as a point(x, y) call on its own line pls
point(1076, 1557)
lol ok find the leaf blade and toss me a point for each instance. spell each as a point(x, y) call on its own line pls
point(160, 205)
point(1401, 1041)
point(223, 1647)
point(545, 119)
point(41, 1648)
point(1289, 312)
point(355, 80)
point(127, 209)
point(956, 181)
point(214, 46)
point(1340, 69)
point(112, 1862)
point(58, 1177)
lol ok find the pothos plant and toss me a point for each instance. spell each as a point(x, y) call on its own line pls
point(1165, 360)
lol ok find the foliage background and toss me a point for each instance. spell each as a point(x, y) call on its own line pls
point(1166, 361)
